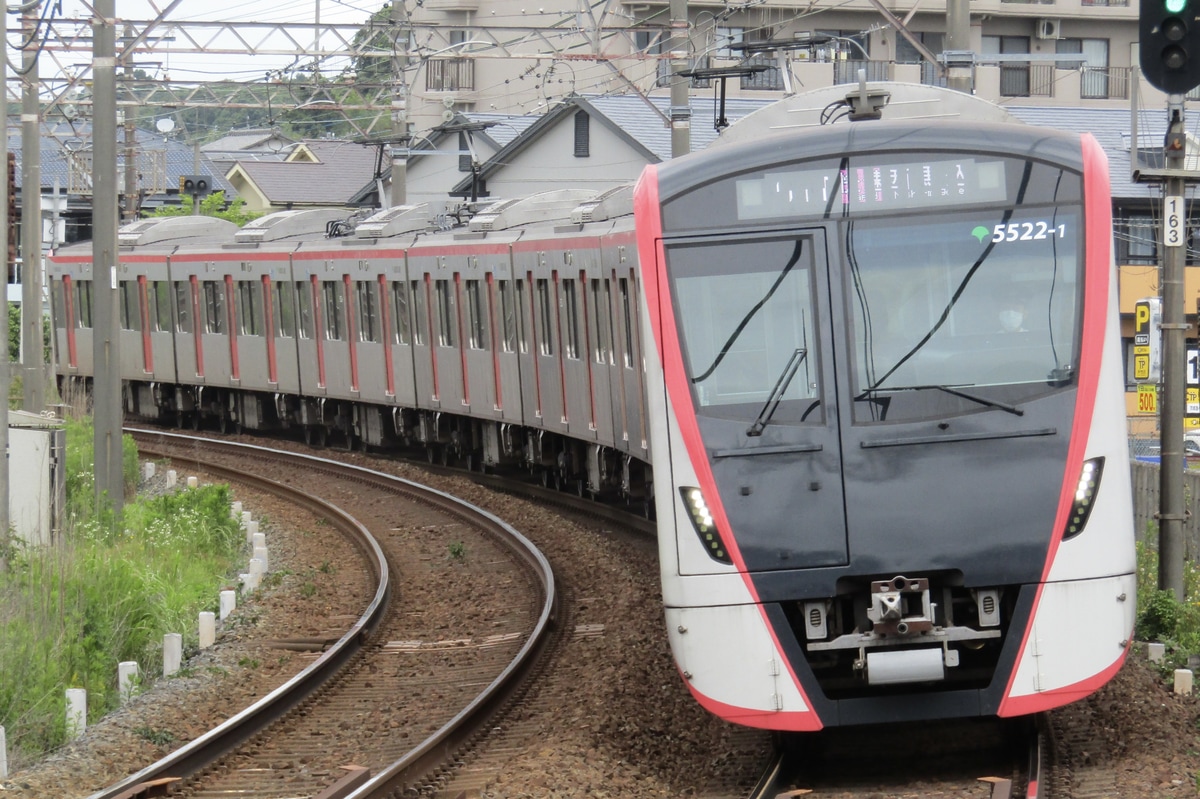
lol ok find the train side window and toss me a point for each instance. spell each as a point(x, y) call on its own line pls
point(368, 311)
point(627, 319)
point(304, 309)
point(214, 306)
point(420, 318)
point(249, 308)
point(403, 333)
point(508, 316)
point(546, 319)
point(83, 302)
point(519, 317)
point(476, 328)
point(183, 307)
point(604, 324)
point(285, 310)
point(571, 333)
point(445, 314)
point(334, 307)
point(160, 305)
point(130, 308)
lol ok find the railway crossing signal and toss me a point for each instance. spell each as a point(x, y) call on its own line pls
point(1169, 38)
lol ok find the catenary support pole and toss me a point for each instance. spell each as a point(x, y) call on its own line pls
point(400, 131)
point(5, 378)
point(106, 391)
point(681, 109)
point(33, 373)
point(1171, 500)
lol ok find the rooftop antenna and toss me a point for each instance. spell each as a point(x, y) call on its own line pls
point(866, 104)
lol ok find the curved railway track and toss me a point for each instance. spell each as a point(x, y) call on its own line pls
point(441, 692)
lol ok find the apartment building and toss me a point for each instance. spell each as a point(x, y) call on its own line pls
point(513, 56)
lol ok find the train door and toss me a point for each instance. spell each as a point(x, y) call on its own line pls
point(444, 288)
point(399, 305)
point(253, 349)
point(72, 277)
point(579, 387)
point(185, 304)
point(504, 308)
point(629, 408)
point(481, 347)
point(544, 296)
point(756, 369)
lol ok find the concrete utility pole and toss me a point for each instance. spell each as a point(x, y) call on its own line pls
point(33, 374)
point(4, 377)
point(1172, 511)
point(400, 133)
point(106, 355)
point(681, 108)
point(130, 209)
point(958, 38)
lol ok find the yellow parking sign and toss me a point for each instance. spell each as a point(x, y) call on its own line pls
point(1147, 399)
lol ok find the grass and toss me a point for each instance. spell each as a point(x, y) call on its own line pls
point(106, 592)
point(1160, 616)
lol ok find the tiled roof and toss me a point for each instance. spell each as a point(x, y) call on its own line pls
point(1112, 129)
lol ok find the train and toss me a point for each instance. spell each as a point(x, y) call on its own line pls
point(866, 376)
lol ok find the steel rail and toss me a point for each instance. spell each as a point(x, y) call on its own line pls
point(219, 741)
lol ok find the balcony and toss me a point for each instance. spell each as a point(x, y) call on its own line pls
point(450, 74)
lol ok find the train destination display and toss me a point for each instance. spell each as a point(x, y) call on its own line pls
point(837, 190)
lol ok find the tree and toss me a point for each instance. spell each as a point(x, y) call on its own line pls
point(378, 34)
point(212, 205)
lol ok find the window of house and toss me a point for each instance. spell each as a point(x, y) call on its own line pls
point(1014, 77)
point(1093, 64)
point(582, 134)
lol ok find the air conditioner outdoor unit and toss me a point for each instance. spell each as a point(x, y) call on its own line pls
point(1048, 28)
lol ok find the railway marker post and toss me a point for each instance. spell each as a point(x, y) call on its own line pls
point(208, 629)
point(228, 602)
point(3, 755)
point(127, 672)
point(172, 653)
point(76, 712)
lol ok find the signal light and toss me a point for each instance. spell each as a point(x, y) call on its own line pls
point(195, 185)
point(1169, 41)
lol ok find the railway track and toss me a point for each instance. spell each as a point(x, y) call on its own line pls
point(411, 701)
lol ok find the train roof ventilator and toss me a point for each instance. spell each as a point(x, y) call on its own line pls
point(905, 644)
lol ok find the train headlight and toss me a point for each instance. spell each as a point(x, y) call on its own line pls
point(1085, 497)
point(702, 521)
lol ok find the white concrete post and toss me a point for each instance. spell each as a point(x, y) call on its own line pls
point(235, 510)
point(208, 628)
point(3, 755)
point(228, 603)
point(172, 653)
point(260, 553)
point(193, 482)
point(251, 531)
point(127, 672)
point(172, 478)
point(1183, 682)
point(1156, 652)
point(258, 539)
point(148, 470)
point(76, 712)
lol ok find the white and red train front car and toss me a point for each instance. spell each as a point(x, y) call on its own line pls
point(888, 433)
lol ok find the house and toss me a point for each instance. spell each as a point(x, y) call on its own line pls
point(315, 173)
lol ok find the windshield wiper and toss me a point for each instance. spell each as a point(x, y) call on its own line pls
point(1004, 406)
point(785, 377)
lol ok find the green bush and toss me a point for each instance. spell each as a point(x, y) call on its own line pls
point(1160, 616)
point(107, 593)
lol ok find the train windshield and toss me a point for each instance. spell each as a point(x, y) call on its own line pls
point(983, 306)
point(746, 316)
